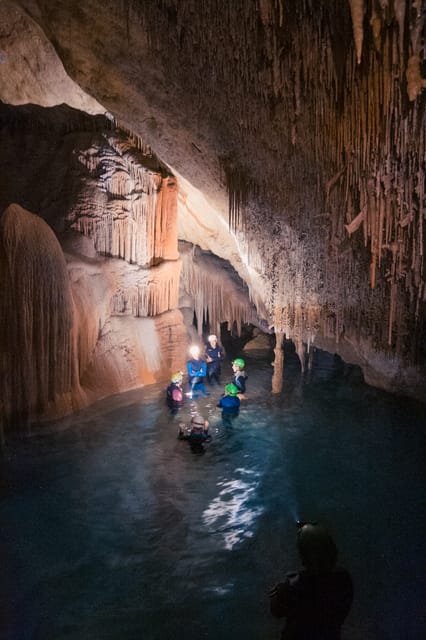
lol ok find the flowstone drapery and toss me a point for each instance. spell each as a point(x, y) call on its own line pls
point(37, 330)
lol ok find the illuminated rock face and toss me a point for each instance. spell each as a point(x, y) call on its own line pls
point(63, 341)
point(95, 312)
point(37, 328)
point(306, 119)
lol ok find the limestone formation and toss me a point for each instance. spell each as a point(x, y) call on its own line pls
point(292, 144)
point(37, 325)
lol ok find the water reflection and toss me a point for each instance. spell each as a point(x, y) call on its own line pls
point(230, 513)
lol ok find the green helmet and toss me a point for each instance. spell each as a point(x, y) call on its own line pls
point(317, 548)
point(231, 389)
point(239, 362)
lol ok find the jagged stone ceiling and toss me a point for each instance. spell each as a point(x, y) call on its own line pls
point(306, 119)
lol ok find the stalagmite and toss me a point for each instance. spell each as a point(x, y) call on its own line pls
point(301, 352)
point(278, 364)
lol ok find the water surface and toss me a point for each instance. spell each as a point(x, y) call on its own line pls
point(113, 529)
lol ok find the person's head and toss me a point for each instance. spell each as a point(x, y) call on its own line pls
point(317, 549)
point(176, 378)
point(231, 389)
point(194, 351)
point(238, 364)
point(198, 423)
point(212, 340)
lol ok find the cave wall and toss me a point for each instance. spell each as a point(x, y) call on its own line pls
point(304, 122)
point(92, 285)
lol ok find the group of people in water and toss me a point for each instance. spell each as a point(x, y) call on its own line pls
point(200, 369)
point(209, 367)
point(315, 600)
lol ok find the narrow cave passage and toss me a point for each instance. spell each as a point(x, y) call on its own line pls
point(112, 528)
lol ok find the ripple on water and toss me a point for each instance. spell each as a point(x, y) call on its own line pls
point(232, 512)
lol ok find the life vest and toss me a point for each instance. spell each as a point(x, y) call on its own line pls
point(174, 394)
point(177, 395)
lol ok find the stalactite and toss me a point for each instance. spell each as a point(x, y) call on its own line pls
point(148, 292)
point(376, 27)
point(239, 187)
point(136, 219)
point(357, 11)
point(266, 11)
point(415, 82)
point(217, 294)
point(356, 222)
point(285, 134)
point(350, 113)
point(399, 9)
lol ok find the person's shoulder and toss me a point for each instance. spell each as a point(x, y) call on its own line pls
point(341, 572)
point(343, 577)
point(293, 582)
point(292, 577)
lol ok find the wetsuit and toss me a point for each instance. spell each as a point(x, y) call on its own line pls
point(239, 380)
point(195, 434)
point(174, 395)
point(315, 605)
point(229, 404)
point(213, 367)
point(197, 370)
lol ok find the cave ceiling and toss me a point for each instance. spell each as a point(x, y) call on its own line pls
point(296, 131)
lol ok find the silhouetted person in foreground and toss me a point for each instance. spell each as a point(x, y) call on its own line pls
point(315, 600)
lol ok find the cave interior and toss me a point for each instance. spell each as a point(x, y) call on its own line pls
point(258, 166)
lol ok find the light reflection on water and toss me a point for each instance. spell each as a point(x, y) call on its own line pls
point(230, 512)
point(113, 529)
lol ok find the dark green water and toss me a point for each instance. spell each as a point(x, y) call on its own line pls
point(112, 529)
